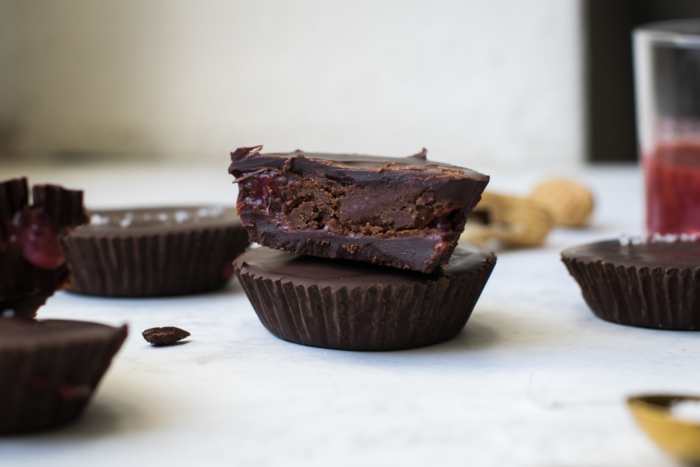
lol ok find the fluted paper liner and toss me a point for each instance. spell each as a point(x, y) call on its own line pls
point(149, 265)
point(645, 297)
point(45, 386)
point(367, 318)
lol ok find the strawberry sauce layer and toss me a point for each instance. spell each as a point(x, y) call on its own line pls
point(672, 178)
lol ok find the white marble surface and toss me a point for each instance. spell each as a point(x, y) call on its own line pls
point(533, 380)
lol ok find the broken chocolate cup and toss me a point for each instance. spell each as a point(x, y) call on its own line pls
point(49, 370)
point(151, 252)
point(406, 213)
point(32, 254)
point(351, 305)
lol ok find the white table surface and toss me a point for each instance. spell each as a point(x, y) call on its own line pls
point(533, 380)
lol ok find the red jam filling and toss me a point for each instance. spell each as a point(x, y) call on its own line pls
point(37, 237)
point(263, 192)
point(266, 193)
point(445, 221)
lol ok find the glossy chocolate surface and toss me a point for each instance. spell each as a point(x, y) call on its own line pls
point(248, 159)
point(308, 270)
point(20, 333)
point(364, 171)
point(666, 255)
point(156, 220)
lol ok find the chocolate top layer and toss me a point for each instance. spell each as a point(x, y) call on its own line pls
point(20, 333)
point(666, 255)
point(63, 207)
point(362, 169)
point(156, 220)
point(308, 270)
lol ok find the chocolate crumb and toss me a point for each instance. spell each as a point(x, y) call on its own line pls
point(164, 336)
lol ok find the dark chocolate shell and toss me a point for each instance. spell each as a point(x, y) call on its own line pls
point(50, 369)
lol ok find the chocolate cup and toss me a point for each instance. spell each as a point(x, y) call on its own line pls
point(653, 285)
point(358, 306)
point(155, 259)
point(48, 377)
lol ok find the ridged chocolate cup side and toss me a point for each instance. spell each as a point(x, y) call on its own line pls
point(367, 318)
point(149, 265)
point(645, 297)
point(45, 386)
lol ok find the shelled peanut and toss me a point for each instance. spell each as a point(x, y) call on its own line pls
point(526, 222)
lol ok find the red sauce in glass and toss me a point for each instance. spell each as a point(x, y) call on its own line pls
point(672, 178)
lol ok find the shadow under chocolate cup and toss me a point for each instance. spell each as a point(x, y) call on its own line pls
point(350, 305)
point(152, 252)
point(652, 284)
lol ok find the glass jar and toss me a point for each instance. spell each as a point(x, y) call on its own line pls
point(667, 82)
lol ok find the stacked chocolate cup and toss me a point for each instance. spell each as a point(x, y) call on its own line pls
point(367, 247)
